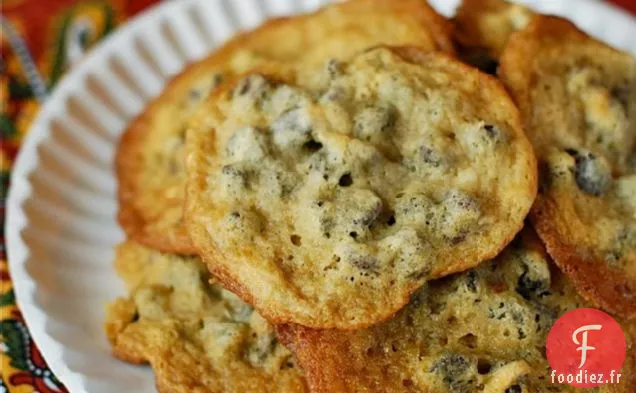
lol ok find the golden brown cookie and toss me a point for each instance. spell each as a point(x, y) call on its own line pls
point(197, 336)
point(577, 97)
point(326, 198)
point(483, 330)
point(150, 158)
point(487, 24)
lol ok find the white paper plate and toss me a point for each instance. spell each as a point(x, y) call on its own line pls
point(61, 226)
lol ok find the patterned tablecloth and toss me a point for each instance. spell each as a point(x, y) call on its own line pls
point(40, 40)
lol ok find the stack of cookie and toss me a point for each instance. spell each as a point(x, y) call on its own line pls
point(336, 203)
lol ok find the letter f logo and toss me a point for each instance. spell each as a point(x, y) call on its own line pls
point(583, 346)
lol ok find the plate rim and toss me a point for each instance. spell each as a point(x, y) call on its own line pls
point(24, 165)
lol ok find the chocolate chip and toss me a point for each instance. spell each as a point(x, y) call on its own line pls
point(430, 156)
point(244, 86)
point(231, 170)
point(365, 263)
point(312, 145)
point(462, 201)
point(527, 286)
point(513, 389)
point(455, 370)
point(391, 221)
point(234, 177)
point(461, 214)
point(450, 364)
point(236, 173)
point(201, 91)
point(592, 175)
point(217, 79)
point(345, 180)
point(491, 130)
point(252, 84)
point(455, 240)
point(522, 334)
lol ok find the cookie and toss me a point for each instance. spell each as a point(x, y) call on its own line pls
point(483, 330)
point(197, 336)
point(487, 24)
point(326, 198)
point(577, 98)
point(149, 162)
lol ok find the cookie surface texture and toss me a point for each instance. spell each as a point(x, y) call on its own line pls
point(328, 198)
point(197, 336)
point(149, 162)
point(483, 330)
point(578, 101)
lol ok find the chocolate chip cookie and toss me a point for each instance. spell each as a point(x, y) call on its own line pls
point(197, 336)
point(577, 97)
point(327, 197)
